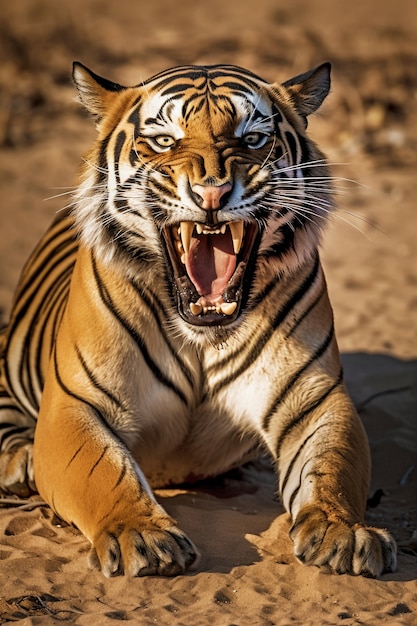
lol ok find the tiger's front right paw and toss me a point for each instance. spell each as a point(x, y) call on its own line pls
point(147, 552)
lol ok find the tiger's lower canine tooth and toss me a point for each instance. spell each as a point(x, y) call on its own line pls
point(228, 307)
point(195, 308)
point(236, 229)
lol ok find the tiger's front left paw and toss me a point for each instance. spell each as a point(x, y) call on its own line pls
point(342, 548)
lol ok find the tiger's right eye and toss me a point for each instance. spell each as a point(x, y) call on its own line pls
point(164, 142)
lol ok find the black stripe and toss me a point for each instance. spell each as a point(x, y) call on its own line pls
point(98, 461)
point(247, 85)
point(74, 456)
point(288, 237)
point(194, 72)
point(10, 407)
point(306, 156)
point(119, 237)
point(102, 165)
point(296, 297)
point(22, 309)
point(316, 355)
point(71, 394)
point(192, 110)
point(297, 421)
point(52, 311)
point(308, 310)
point(38, 278)
point(153, 304)
point(120, 141)
point(12, 429)
point(94, 380)
point(59, 312)
point(121, 476)
point(63, 225)
point(136, 337)
point(115, 504)
point(46, 304)
point(162, 188)
point(191, 73)
point(237, 88)
point(291, 142)
point(35, 282)
point(180, 88)
point(292, 463)
point(297, 489)
point(134, 117)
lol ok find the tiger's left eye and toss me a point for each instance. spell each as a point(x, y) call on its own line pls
point(255, 140)
point(163, 141)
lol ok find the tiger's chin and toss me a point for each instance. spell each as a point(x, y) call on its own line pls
point(212, 269)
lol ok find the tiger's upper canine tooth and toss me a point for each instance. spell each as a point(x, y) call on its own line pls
point(228, 307)
point(236, 228)
point(186, 231)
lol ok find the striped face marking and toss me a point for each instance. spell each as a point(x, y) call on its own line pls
point(223, 130)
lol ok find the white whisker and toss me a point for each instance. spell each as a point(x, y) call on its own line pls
point(251, 108)
point(269, 153)
point(94, 166)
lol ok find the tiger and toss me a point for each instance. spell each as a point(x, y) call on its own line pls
point(174, 323)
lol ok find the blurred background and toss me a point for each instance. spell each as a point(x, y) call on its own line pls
point(367, 126)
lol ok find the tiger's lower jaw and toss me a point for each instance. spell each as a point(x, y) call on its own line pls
point(200, 301)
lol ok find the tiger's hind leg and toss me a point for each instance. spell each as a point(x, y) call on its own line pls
point(16, 447)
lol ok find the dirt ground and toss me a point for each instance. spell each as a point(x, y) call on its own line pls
point(368, 129)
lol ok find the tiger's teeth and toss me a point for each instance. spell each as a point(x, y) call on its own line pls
point(236, 228)
point(186, 231)
point(228, 307)
point(199, 229)
point(195, 308)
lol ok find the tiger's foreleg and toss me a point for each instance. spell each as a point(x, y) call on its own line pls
point(323, 464)
point(89, 478)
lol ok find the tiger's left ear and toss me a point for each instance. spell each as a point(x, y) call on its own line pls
point(307, 91)
point(96, 93)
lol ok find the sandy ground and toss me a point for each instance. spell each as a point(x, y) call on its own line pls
point(247, 574)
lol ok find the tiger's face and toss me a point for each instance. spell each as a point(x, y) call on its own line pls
point(206, 175)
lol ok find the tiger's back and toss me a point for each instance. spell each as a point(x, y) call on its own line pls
point(177, 321)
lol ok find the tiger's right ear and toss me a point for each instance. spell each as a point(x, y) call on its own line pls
point(95, 92)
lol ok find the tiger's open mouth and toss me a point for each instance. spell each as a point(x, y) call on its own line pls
point(212, 267)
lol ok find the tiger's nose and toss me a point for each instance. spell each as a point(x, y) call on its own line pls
point(210, 196)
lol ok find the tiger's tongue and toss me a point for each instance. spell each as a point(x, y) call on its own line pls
point(210, 264)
